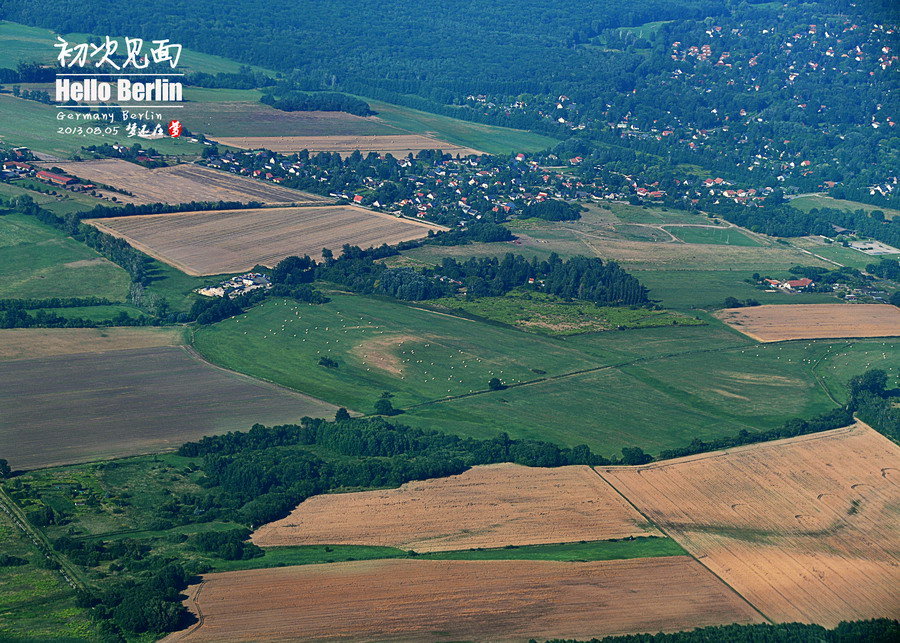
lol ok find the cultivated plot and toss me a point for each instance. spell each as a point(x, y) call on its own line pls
point(428, 600)
point(30, 343)
point(813, 321)
point(806, 529)
point(396, 144)
point(89, 406)
point(213, 242)
point(487, 506)
point(181, 184)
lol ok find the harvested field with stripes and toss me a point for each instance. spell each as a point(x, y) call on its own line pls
point(806, 529)
point(181, 184)
point(444, 600)
point(214, 242)
point(487, 506)
point(813, 321)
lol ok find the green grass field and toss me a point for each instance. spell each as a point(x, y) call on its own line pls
point(550, 315)
point(38, 261)
point(487, 138)
point(649, 547)
point(34, 125)
point(707, 289)
point(807, 203)
point(656, 388)
point(716, 236)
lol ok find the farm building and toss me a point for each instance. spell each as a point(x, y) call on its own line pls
point(56, 179)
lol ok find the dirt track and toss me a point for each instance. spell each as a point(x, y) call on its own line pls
point(487, 506)
point(425, 600)
point(806, 529)
point(813, 321)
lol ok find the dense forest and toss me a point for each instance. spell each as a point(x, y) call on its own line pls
point(753, 90)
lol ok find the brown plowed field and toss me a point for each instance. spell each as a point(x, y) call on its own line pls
point(487, 506)
point(182, 184)
point(213, 242)
point(30, 343)
point(806, 529)
point(425, 600)
point(91, 406)
point(813, 321)
point(397, 144)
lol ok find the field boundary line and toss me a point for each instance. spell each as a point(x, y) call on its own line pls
point(193, 352)
point(688, 552)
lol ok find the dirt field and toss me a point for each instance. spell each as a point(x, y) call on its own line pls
point(397, 144)
point(424, 600)
point(813, 321)
point(31, 343)
point(182, 184)
point(219, 241)
point(488, 506)
point(88, 406)
point(806, 529)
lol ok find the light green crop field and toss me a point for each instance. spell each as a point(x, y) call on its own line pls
point(716, 236)
point(94, 313)
point(549, 315)
point(807, 203)
point(38, 261)
point(36, 603)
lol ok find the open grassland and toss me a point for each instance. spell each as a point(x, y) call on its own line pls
point(34, 125)
point(212, 242)
point(806, 529)
point(488, 138)
point(814, 321)
point(39, 261)
point(543, 313)
point(399, 145)
point(715, 236)
point(488, 506)
point(30, 343)
point(657, 388)
point(89, 406)
point(835, 252)
point(807, 203)
point(35, 602)
point(667, 401)
point(183, 183)
point(59, 201)
point(707, 289)
point(415, 600)
point(238, 112)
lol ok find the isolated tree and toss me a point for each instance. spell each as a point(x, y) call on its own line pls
point(5, 470)
point(495, 384)
point(342, 415)
point(383, 406)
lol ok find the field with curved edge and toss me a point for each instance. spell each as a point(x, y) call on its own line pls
point(806, 529)
point(429, 600)
point(487, 506)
